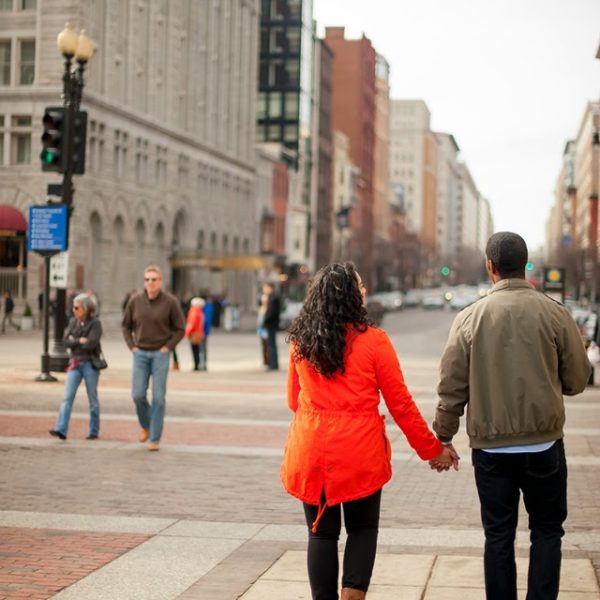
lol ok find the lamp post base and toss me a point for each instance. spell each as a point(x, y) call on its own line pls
point(45, 374)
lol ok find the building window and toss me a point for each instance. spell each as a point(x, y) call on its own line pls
point(275, 105)
point(5, 62)
point(28, 4)
point(291, 105)
point(26, 62)
point(261, 105)
point(20, 140)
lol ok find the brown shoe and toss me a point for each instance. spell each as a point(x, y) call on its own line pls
point(352, 594)
point(144, 435)
point(153, 446)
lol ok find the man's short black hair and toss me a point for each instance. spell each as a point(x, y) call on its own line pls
point(508, 253)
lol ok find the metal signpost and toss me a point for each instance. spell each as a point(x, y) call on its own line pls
point(48, 235)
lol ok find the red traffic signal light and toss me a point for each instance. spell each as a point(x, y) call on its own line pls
point(51, 156)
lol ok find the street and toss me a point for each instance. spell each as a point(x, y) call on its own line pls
point(206, 518)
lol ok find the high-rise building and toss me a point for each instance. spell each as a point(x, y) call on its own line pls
point(321, 195)
point(170, 174)
point(382, 207)
point(353, 113)
point(285, 109)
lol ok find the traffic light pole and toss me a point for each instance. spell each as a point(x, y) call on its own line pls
point(72, 88)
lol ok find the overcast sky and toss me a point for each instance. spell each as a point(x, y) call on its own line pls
point(510, 80)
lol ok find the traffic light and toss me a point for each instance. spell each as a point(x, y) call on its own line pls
point(529, 266)
point(79, 139)
point(445, 271)
point(52, 156)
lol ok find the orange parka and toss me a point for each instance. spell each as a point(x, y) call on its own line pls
point(337, 441)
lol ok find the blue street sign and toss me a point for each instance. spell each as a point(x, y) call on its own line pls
point(48, 231)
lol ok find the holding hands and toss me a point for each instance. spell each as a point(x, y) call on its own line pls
point(448, 458)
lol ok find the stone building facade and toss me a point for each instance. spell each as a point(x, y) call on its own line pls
point(170, 170)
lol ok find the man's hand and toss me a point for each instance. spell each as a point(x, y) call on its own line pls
point(165, 349)
point(82, 340)
point(134, 348)
point(448, 458)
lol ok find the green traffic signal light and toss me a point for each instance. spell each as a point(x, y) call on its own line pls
point(51, 155)
point(529, 266)
point(445, 271)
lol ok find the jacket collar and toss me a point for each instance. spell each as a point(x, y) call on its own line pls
point(505, 284)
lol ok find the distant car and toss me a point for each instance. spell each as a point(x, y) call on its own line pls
point(391, 300)
point(411, 299)
point(460, 301)
point(289, 313)
point(375, 309)
point(433, 302)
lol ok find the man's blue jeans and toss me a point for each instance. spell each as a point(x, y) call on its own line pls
point(84, 371)
point(148, 364)
point(542, 477)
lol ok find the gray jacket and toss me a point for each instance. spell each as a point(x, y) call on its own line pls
point(510, 357)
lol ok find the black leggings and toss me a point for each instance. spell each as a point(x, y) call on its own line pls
point(361, 519)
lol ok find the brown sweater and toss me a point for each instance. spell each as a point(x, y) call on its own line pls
point(151, 324)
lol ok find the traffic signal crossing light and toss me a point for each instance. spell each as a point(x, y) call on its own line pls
point(445, 271)
point(79, 139)
point(54, 141)
point(52, 154)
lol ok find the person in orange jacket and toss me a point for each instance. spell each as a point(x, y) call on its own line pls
point(194, 328)
point(337, 451)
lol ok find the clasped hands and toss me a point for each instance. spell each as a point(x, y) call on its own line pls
point(448, 458)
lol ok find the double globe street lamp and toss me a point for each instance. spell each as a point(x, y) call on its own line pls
point(68, 154)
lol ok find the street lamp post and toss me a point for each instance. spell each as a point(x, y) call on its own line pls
point(78, 46)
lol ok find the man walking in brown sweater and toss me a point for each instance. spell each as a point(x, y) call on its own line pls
point(153, 325)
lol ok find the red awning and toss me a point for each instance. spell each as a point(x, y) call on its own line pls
point(11, 219)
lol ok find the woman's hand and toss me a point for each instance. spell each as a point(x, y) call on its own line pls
point(446, 459)
point(83, 340)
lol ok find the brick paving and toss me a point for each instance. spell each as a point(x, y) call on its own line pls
point(38, 563)
point(126, 480)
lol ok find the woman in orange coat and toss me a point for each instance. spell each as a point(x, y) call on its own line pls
point(194, 328)
point(337, 451)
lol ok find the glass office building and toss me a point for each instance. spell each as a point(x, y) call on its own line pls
point(285, 75)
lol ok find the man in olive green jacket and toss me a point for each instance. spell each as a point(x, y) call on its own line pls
point(509, 359)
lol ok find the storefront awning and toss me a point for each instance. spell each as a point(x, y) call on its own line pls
point(11, 220)
point(233, 263)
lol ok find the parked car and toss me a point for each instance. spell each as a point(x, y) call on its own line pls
point(433, 301)
point(411, 299)
point(290, 311)
point(375, 309)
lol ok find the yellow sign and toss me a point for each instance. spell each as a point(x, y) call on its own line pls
point(554, 275)
point(234, 263)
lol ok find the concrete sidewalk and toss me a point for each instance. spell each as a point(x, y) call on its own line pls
point(206, 517)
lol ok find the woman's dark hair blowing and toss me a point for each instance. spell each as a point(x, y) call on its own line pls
point(333, 303)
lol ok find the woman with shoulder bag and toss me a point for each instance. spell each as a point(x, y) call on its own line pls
point(337, 452)
point(194, 328)
point(82, 337)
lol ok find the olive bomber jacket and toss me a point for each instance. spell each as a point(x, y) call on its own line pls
point(509, 359)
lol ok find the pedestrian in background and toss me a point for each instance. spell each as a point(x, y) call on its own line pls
point(271, 323)
point(208, 310)
point(82, 338)
point(153, 325)
point(9, 307)
point(194, 328)
point(509, 359)
point(337, 451)
point(261, 330)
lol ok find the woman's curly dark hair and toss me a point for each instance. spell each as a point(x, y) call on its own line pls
point(333, 304)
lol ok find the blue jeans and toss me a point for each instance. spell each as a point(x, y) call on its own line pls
point(84, 371)
point(148, 363)
point(542, 477)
